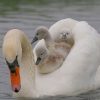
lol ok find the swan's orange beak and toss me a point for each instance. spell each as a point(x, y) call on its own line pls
point(14, 75)
point(15, 80)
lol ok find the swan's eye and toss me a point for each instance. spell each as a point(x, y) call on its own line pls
point(12, 65)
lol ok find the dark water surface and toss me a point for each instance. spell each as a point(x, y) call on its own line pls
point(29, 14)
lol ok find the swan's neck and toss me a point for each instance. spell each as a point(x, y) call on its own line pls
point(27, 70)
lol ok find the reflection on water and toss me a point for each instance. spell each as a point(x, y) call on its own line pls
point(29, 14)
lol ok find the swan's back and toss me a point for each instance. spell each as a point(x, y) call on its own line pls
point(82, 29)
point(78, 72)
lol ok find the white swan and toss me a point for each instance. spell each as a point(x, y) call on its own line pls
point(77, 74)
point(18, 53)
point(49, 59)
point(54, 31)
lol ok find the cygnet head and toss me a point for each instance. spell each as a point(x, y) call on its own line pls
point(40, 33)
point(66, 36)
point(40, 52)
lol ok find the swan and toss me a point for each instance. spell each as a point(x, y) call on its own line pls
point(18, 54)
point(76, 75)
point(49, 59)
point(54, 31)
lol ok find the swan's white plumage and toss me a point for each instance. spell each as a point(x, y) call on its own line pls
point(79, 72)
point(82, 30)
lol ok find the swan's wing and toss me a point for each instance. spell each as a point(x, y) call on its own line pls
point(83, 29)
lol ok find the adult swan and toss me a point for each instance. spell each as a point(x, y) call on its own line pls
point(77, 74)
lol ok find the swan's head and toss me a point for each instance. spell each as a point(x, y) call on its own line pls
point(12, 54)
point(40, 33)
point(66, 35)
point(40, 52)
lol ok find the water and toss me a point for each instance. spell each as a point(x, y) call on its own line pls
point(29, 14)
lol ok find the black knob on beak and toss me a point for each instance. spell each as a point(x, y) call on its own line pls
point(12, 65)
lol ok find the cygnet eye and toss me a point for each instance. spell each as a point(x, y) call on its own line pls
point(37, 34)
point(41, 54)
point(67, 33)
